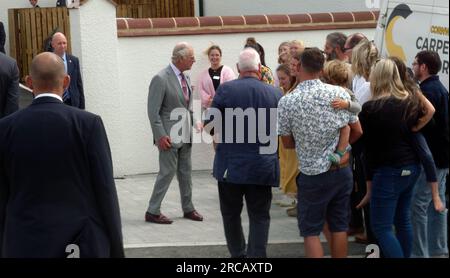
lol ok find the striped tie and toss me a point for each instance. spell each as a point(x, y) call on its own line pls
point(184, 87)
point(66, 94)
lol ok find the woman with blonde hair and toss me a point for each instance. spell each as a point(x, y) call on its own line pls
point(296, 46)
point(210, 78)
point(423, 151)
point(283, 53)
point(287, 157)
point(392, 164)
point(364, 56)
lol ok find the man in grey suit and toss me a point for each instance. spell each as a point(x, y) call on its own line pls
point(170, 111)
point(9, 85)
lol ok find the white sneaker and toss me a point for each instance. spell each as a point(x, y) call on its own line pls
point(286, 201)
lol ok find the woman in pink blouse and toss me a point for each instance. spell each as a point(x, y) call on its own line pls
point(211, 78)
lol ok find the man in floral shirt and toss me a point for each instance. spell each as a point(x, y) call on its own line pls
point(307, 122)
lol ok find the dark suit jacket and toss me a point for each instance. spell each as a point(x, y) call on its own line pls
point(56, 184)
point(76, 84)
point(2, 38)
point(9, 85)
point(245, 162)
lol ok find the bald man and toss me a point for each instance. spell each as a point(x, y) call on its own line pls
point(74, 95)
point(57, 192)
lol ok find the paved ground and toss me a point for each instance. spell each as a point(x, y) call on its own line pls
point(186, 238)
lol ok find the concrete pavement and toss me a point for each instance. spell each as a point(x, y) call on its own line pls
point(187, 238)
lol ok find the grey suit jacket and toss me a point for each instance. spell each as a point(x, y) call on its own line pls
point(9, 85)
point(168, 112)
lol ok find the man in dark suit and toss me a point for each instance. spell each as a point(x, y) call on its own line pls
point(9, 85)
point(57, 191)
point(170, 92)
point(2, 38)
point(74, 95)
point(246, 167)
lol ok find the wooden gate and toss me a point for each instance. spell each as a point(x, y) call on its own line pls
point(29, 29)
point(155, 8)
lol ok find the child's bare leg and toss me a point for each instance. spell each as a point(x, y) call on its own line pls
point(344, 136)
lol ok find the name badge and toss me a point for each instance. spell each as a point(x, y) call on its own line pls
point(216, 77)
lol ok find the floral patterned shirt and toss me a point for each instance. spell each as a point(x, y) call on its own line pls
point(266, 75)
point(307, 115)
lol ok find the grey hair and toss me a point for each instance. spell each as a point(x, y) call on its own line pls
point(180, 51)
point(249, 60)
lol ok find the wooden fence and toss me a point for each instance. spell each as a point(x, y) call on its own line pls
point(29, 29)
point(155, 8)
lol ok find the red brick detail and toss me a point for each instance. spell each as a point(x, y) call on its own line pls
point(208, 21)
point(139, 23)
point(342, 17)
point(321, 18)
point(233, 20)
point(244, 24)
point(363, 16)
point(186, 22)
point(255, 19)
point(376, 14)
point(278, 19)
point(237, 30)
point(299, 18)
point(163, 22)
point(121, 24)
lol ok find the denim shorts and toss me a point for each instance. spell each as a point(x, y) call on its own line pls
point(324, 196)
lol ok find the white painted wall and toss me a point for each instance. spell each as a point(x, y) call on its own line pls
point(95, 42)
point(256, 7)
point(117, 73)
point(142, 57)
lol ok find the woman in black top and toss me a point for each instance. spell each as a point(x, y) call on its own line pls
point(391, 161)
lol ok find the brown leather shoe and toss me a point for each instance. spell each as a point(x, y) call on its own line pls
point(193, 215)
point(159, 219)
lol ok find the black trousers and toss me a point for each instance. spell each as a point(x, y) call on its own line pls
point(258, 200)
point(359, 191)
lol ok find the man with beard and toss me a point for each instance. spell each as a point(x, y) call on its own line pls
point(334, 47)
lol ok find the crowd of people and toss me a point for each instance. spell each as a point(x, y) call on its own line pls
point(361, 145)
point(362, 149)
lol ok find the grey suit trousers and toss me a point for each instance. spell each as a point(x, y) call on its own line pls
point(171, 162)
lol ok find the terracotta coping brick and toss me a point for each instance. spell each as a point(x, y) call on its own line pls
point(210, 21)
point(187, 21)
point(321, 18)
point(278, 19)
point(131, 27)
point(233, 20)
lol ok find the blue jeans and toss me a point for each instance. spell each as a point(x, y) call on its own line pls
point(429, 226)
point(390, 204)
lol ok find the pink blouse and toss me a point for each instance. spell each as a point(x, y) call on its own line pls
point(205, 85)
